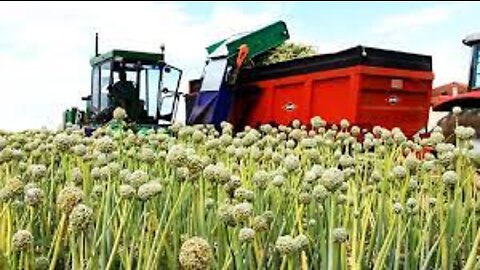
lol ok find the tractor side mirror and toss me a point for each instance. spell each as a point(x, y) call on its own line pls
point(89, 97)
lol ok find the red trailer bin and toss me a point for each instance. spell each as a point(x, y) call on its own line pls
point(366, 86)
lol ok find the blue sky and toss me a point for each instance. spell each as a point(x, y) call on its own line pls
point(45, 47)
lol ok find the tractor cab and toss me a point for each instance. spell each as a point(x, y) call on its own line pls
point(470, 99)
point(153, 97)
point(140, 82)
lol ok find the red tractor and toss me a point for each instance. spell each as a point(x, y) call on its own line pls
point(468, 101)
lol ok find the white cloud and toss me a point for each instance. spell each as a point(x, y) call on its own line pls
point(417, 19)
point(46, 46)
point(413, 31)
point(451, 62)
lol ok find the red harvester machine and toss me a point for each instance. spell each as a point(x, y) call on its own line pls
point(367, 86)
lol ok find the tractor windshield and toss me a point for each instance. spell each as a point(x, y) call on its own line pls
point(145, 79)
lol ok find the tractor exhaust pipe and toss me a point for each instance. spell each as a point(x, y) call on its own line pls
point(96, 45)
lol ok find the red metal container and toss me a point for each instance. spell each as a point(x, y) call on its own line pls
point(366, 86)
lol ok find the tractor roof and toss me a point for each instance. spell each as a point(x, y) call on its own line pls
point(472, 39)
point(128, 57)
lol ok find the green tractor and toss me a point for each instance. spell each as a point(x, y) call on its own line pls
point(151, 100)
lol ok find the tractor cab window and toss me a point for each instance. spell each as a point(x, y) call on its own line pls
point(475, 77)
point(101, 79)
point(475, 67)
point(95, 95)
point(105, 81)
point(131, 73)
point(131, 76)
point(151, 77)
